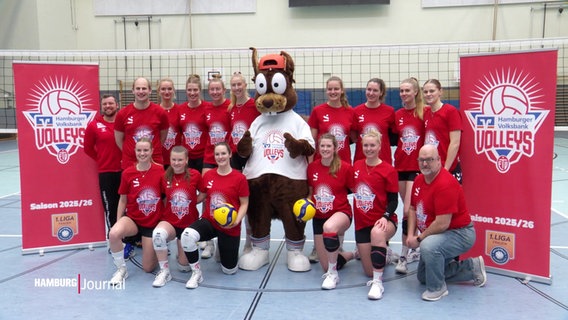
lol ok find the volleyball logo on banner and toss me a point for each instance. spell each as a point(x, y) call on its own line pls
point(58, 116)
point(507, 117)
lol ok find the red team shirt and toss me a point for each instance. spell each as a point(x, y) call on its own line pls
point(241, 117)
point(143, 192)
point(181, 198)
point(410, 130)
point(438, 125)
point(218, 127)
point(370, 186)
point(99, 144)
point(330, 193)
point(193, 129)
point(443, 196)
point(224, 189)
point(337, 121)
point(136, 124)
point(380, 119)
point(174, 133)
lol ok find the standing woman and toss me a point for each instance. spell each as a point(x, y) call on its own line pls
point(223, 185)
point(192, 122)
point(375, 184)
point(139, 209)
point(242, 112)
point(184, 190)
point(167, 94)
point(410, 130)
point(328, 179)
point(374, 115)
point(335, 117)
point(443, 127)
point(218, 125)
point(217, 121)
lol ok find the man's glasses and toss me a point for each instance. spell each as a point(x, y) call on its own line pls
point(427, 160)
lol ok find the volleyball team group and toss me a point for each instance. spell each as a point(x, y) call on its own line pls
point(158, 162)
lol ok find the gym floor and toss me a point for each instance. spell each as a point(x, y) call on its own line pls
point(272, 292)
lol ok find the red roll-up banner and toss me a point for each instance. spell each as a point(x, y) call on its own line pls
point(61, 205)
point(507, 102)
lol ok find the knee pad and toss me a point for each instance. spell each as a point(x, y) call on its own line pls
point(378, 257)
point(229, 271)
point(160, 239)
point(189, 238)
point(405, 227)
point(331, 241)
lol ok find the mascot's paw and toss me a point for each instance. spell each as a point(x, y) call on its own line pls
point(254, 259)
point(297, 261)
point(244, 147)
point(297, 147)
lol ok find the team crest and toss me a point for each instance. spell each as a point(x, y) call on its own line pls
point(339, 134)
point(192, 136)
point(239, 129)
point(507, 115)
point(273, 146)
point(409, 140)
point(324, 199)
point(364, 198)
point(180, 203)
point(60, 116)
point(147, 201)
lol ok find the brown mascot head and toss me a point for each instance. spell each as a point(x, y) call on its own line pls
point(273, 79)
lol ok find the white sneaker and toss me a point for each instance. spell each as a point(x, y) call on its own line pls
point(313, 257)
point(413, 255)
point(183, 268)
point(208, 251)
point(162, 277)
point(330, 280)
point(376, 291)
point(119, 276)
point(195, 280)
point(392, 257)
point(401, 266)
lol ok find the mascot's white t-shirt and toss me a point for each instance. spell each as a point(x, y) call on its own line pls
point(269, 155)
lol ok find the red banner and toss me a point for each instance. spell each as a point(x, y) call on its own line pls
point(507, 103)
point(61, 205)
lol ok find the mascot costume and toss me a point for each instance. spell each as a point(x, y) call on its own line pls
point(277, 145)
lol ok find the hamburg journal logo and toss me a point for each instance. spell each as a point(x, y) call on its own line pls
point(507, 115)
point(60, 117)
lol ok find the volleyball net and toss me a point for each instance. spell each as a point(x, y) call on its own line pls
point(313, 66)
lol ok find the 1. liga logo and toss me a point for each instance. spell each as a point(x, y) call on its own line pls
point(60, 117)
point(506, 117)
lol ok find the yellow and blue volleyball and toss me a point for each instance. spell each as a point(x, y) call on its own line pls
point(225, 214)
point(304, 209)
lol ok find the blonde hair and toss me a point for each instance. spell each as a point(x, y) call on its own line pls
point(418, 99)
point(239, 76)
point(373, 134)
point(170, 81)
point(336, 160)
point(343, 97)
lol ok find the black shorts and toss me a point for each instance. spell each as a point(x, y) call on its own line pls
point(209, 165)
point(238, 162)
point(317, 224)
point(145, 231)
point(196, 164)
point(179, 231)
point(407, 175)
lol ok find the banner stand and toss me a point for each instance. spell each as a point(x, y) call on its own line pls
point(42, 251)
point(526, 278)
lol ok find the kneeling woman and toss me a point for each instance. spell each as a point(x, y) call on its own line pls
point(223, 185)
point(328, 178)
point(375, 184)
point(139, 209)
